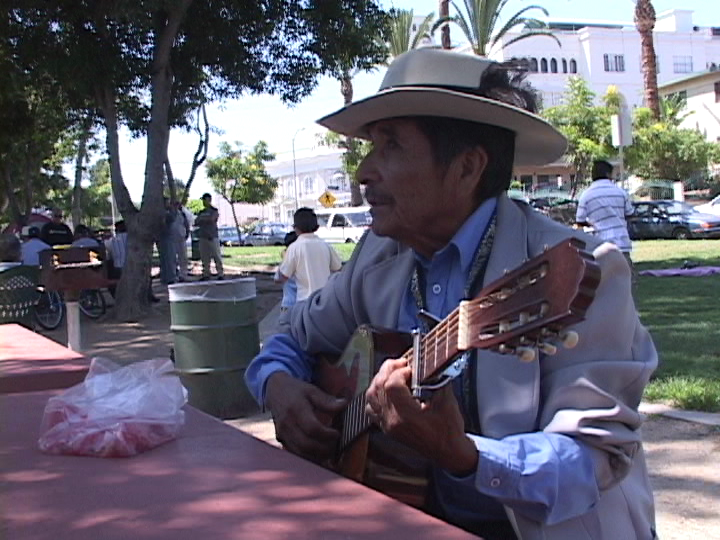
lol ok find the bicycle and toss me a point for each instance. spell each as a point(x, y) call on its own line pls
point(50, 307)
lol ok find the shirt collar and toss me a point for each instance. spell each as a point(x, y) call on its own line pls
point(467, 239)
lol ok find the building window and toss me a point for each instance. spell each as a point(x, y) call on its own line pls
point(307, 185)
point(573, 66)
point(682, 64)
point(614, 62)
point(543, 65)
point(553, 66)
point(533, 65)
point(564, 65)
point(717, 92)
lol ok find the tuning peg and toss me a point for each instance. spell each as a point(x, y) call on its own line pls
point(570, 339)
point(548, 348)
point(525, 354)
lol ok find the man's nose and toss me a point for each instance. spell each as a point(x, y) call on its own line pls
point(366, 171)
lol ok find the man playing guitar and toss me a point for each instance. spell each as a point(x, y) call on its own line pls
point(544, 449)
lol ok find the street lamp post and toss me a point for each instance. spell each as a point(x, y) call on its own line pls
point(295, 185)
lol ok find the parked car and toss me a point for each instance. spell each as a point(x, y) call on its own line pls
point(267, 234)
point(712, 207)
point(671, 219)
point(343, 224)
point(228, 236)
point(559, 208)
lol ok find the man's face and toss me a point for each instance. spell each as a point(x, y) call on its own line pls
point(206, 202)
point(413, 199)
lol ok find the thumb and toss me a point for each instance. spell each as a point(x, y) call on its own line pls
point(325, 402)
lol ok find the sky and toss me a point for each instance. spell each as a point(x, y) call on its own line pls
point(252, 118)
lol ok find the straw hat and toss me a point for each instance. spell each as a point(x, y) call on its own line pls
point(436, 82)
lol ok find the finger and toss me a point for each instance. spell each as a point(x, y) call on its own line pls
point(325, 402)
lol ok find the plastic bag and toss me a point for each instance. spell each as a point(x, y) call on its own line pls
point(116, 411)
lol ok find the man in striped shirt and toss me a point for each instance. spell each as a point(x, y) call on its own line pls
point(604, 206)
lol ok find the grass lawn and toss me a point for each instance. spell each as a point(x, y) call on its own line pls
point(683, 316)
point(682, 313)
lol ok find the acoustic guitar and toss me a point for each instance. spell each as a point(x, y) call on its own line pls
point(525, 311)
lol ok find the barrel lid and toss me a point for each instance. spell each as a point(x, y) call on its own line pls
point(227, 290)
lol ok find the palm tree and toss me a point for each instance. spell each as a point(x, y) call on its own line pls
point(444, 13)
point(401, 38)
point(645, 22)
point(480, 17)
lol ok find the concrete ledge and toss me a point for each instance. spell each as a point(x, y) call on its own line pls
point(706, 418)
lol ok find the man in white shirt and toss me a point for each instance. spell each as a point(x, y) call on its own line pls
point(604, 206)
point(310, 260)
point(32, 247)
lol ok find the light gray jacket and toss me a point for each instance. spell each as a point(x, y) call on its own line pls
point(590, 392)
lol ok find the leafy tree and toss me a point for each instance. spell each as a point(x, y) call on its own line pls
point(479, 19)
point(645, 23)
point(148, 64)
point(194, 205)
point(586, 126)
point(242, 178)
point(663, 150)
point(353, 155)
point(34, 124)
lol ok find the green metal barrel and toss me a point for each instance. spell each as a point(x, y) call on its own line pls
point(215, 333)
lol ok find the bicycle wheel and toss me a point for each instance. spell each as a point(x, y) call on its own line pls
point(49, 310)
point(92, 303)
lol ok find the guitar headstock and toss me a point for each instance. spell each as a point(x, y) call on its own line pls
point(530, 307)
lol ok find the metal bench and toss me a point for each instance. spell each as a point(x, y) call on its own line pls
point(18, 295)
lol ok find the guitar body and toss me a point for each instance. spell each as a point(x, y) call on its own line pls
point(372, 458)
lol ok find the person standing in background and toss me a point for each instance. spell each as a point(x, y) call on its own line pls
point(179, 233)
point(56, 233)
point(208, 242)
point(310, 260)
point(290, 285)
point(604, 206)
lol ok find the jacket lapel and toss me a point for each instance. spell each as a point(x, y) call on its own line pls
point(508, 389)
point(384, 285)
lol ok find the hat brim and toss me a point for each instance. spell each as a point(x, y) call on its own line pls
point(536, 143)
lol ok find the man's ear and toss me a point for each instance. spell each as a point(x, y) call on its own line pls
point(468, 168)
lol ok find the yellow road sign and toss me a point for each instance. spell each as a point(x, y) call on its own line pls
point(327, 199)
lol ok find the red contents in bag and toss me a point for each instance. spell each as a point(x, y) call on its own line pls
point(115, 412)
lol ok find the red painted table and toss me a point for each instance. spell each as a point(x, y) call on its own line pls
point(213, 482)
point(30, 362)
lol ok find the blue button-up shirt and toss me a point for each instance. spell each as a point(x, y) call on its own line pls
point(547, 477)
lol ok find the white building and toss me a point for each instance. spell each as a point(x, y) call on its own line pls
point(702, 94)
point(608, 53)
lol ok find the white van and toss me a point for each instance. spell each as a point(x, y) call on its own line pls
point(346, 224)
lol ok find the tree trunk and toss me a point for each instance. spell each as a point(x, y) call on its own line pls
point(346, 89)
point(76, 213)
point(444, 11)
point(645, 22)
point(132, 297)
